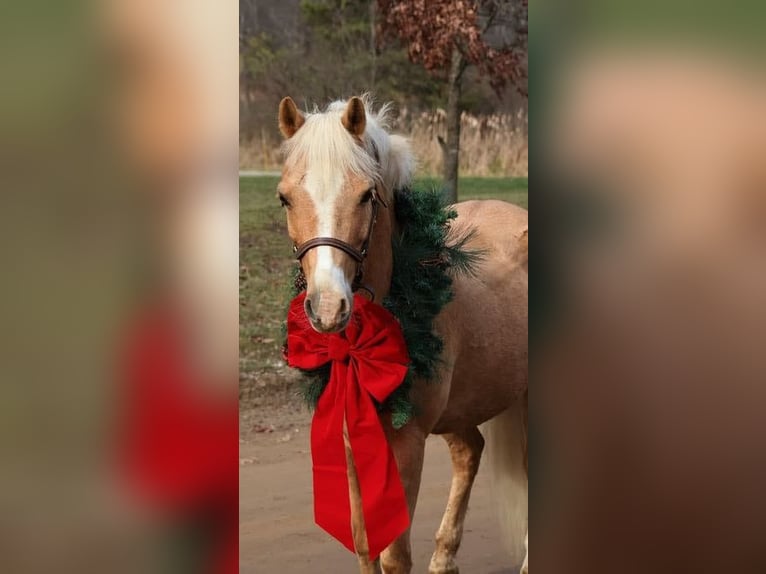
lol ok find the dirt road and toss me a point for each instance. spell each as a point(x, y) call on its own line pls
point(278, 534)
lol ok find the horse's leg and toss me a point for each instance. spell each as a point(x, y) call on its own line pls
point(408, 445)
point(357, 517)
point(465, 449)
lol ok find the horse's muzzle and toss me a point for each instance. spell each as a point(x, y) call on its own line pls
point(327, 311)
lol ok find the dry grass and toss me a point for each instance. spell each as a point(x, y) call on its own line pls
point(490, 145)
point(261, 152)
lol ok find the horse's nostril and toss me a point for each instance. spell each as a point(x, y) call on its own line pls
point(309, 309)
point(343, 307)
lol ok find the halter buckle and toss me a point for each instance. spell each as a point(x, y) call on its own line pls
point(362, 287)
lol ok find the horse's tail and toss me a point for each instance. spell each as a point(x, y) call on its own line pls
point(506, 452)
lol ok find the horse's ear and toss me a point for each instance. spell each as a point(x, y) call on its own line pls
point(354, 118)
point(290, 119)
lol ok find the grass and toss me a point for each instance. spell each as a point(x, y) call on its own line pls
point(510, 189)
point(265, 259)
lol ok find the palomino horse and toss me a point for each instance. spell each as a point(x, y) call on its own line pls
point(337, 164)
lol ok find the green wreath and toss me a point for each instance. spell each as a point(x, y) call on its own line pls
point(426, 254)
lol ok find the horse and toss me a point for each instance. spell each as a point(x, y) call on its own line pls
point(341, 168)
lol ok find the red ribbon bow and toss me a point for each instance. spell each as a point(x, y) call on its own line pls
point(369, 358)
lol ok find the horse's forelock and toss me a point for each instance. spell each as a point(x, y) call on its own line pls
point(323, 143)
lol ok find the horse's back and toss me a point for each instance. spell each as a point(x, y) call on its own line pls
point(485, 326)
point(499, 232)
point(499, 228)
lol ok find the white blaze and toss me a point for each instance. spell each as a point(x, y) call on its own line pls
point(324, 187)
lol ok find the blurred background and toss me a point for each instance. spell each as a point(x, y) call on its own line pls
point(118, 211)
point(647, 309)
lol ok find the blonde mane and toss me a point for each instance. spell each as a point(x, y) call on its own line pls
point(323, 142)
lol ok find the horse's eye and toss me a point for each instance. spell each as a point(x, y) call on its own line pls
point(283, 200)
point(367, 196)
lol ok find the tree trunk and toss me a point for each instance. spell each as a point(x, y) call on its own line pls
point(373, 46)
point(451, 148)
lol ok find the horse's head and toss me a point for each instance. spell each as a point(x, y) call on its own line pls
point(331, 187)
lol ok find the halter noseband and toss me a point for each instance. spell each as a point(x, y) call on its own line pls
point(358, 255)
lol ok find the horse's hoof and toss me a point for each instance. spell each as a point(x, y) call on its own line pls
point(443, 566)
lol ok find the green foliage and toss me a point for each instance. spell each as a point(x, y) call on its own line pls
point(425, 255)
point(259, 55)
point(337, 20)
point(511, 189)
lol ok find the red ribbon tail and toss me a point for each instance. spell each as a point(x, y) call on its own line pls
point(386, 514)
point(332, 508)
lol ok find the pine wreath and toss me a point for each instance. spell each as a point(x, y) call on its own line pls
point(426, 253)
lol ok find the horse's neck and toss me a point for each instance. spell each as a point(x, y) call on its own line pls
point(378, 266)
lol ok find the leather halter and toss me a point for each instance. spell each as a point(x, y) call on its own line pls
point(359, 255)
